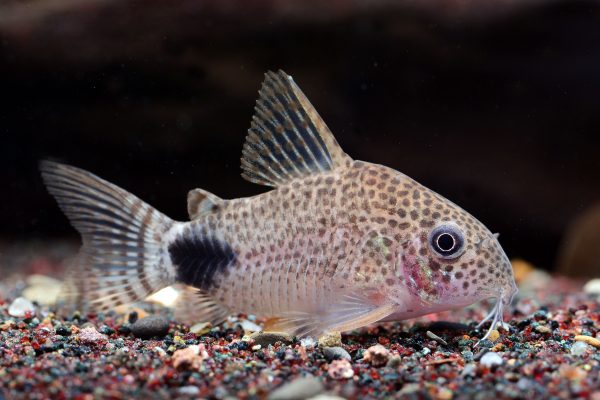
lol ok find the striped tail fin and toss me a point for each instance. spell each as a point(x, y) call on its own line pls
point(124, 257)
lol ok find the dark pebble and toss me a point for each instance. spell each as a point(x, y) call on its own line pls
point(524, 323)
point(336, 353)
point(540, 315)
point(410, 342)
point(125, 329)
point(300, 388)
point(149, 327)
point(133, 316)
point(106, 330)
point(63, 331)
point(486, 344)
point(270, 338)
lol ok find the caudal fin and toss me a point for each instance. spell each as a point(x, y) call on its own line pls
point(123, 258)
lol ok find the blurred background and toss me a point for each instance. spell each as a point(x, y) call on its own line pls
point(493, 104)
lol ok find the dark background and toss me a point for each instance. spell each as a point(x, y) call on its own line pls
point(495, 106)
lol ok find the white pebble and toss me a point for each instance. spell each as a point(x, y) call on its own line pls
point(469, 370)
point(250, 326)
point(490, 359)
point(189, 390)
point(160, 351)
point(308, 342)
point(20, 307)
point(524, 384)
point(579, 348)
point(42, 289)
point(592, 287)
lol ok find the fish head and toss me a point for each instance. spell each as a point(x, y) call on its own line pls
point(446, 258)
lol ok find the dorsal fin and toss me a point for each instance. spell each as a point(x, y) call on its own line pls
point(287, 138)
point(200, 202)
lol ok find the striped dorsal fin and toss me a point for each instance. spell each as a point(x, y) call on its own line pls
point(287, 138)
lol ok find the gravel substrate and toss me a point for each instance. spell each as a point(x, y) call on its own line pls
point(550, 351)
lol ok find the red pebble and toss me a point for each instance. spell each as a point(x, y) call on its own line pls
point(383, 340)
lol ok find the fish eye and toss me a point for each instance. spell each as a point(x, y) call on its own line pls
point(447, 241)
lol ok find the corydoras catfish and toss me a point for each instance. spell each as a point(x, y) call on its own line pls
point(337, 243)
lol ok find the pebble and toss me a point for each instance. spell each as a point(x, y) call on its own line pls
point(298, 389)
point(336, 353)
point(270, 338)
point(572, 372)
point(308, 342)
point(494, 335)
point(149, 327)
point(90, 335)
point(201, 329)
point(132, 317)
point(394, 362)
point(331, 339)
point(189, 391)
point(435, 337)
point(326, 397)
point(589, 340)
point(444, 394)
point(160, 351)
point(524, 384)
point(543, 329)
point(467, 356)
point(490, 359)
point(189, 358)
point(409, 391)
point(7, 325)
point(20, 307)
point(63, 331)
point(340, 369)
point(592, 287)
point(42, 289)
point(377, 355)
point(579, 348)
point(469, 370)
point(249, 326)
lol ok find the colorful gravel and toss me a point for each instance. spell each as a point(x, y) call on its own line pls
point(551, 350)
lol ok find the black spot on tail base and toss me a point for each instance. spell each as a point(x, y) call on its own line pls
point(200, 259)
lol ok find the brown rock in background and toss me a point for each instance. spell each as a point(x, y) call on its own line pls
point(491, 103)
point(579, 255)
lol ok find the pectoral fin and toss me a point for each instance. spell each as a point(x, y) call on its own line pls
point(350, 312)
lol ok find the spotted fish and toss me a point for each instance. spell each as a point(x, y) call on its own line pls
point(337, 243)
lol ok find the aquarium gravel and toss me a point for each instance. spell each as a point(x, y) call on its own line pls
point(550, 349)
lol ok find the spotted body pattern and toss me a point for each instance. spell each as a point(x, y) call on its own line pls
point(337, 244)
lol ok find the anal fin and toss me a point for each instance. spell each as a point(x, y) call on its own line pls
point(194, 305)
